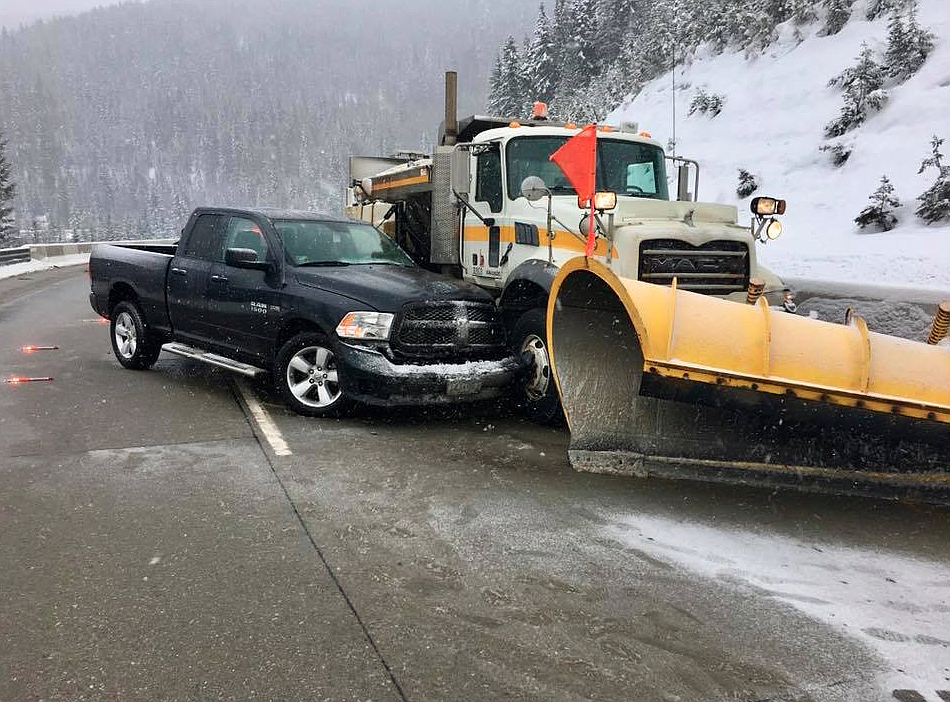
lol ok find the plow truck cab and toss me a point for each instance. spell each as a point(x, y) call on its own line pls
point(491, 207)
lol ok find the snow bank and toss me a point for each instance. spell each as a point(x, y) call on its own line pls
point(772, 124)
point(15, 269)
point(896, 604)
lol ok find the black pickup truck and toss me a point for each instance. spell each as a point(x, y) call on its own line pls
point(333, 308)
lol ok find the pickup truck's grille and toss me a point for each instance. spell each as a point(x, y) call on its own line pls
point(715, 268)
point(448, 328)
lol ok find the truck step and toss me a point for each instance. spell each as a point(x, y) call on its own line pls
point(214, 359)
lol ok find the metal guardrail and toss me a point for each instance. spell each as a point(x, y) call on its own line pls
point(19, 255)
point(42, 252)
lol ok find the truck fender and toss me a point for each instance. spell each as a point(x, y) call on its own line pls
point(527, 288)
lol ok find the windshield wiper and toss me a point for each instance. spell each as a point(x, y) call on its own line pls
point(323, 263)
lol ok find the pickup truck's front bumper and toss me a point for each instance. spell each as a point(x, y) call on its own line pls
point(368, 376)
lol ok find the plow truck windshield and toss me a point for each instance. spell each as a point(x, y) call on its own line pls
point(625, 167)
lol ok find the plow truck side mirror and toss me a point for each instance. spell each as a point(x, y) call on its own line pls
point(534, 188)
point(767, 206)
point(461, 171)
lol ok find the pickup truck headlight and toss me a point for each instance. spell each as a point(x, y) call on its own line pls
point(365, 325)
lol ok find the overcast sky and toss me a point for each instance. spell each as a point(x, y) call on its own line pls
point(16, 12)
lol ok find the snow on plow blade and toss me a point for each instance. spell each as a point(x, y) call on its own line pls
point(659, 381)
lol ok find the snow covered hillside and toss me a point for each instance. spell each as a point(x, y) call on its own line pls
point(776, 106)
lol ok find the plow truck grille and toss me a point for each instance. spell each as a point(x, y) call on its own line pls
point(440, 329)
point(714, 268)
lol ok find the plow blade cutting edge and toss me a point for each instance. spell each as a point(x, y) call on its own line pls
point(660, 381)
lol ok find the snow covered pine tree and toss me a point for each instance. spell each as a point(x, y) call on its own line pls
point(837, 14)
point(862, 93)
point(908, 45)
point(748, 183)
point(880, 212)
point(7, 191)
point(935, 201)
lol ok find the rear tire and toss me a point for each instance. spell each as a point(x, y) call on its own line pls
point(537, 392)
point(134, 346)
point(308, 377)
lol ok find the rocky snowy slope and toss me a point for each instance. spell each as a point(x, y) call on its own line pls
point(772, 124)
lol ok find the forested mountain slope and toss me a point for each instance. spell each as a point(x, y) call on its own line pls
point(121, 119)
point(815, 100)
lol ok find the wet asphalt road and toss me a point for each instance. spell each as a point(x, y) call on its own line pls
point(153, 546)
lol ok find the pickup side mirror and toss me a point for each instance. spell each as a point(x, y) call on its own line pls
point(244, 258)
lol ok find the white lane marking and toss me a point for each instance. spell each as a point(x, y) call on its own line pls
point(264, 422)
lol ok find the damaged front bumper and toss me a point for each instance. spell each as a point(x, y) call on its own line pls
point(368, 376)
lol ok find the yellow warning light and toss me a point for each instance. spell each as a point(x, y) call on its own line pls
point(514, 124)
point(606, 128)
point(570, 125)
point(646, 134)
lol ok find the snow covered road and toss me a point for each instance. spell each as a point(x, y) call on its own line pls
point(898, 604)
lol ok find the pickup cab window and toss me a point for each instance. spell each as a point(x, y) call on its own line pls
point(205, 239)
point(244, 233)
point(327, 243)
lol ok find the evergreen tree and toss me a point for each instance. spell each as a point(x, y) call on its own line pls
point(879, 8)
point(543, 62)
point(863, 93)
point(898, 47)
point(495, 89)
point(908, 46)
point(935, 201)
point(511, 96)
point(837, 14)
point(7, 192)
point(613, 23)
point(748, 184)
point(880, 211)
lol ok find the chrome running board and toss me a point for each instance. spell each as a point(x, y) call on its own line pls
point(212, 358)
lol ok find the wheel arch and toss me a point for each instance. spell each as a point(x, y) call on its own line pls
point(121, 292)
point(296, 325)
point(527, 288)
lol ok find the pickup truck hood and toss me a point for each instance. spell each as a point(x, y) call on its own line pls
point(387, 288)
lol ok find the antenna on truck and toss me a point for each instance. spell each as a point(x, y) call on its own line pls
point(673, 71)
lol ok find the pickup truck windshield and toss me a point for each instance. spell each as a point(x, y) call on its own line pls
point(625, 167)
point(313, 242)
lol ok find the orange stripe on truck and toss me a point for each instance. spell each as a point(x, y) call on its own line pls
point(563, 239)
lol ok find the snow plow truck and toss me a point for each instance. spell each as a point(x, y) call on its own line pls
point(668, 349)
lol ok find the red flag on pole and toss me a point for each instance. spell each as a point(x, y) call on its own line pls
point(577, 158)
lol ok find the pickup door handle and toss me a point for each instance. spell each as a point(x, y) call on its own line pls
point(179, 271)
point(219, 279)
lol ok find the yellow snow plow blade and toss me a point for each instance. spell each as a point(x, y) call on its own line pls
point(658, 380)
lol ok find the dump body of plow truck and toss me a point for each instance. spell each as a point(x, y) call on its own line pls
point(464, 209)
point(661, 381)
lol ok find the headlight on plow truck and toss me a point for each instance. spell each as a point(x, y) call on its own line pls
point(365, 325)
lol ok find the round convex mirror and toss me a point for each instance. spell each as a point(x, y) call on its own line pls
point(533, 188)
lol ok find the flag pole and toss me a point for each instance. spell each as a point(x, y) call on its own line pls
point(590, 217)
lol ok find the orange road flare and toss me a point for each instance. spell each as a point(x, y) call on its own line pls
point(17, 380)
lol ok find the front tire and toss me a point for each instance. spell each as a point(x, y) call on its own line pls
point(308, 377)
point(134, 346)
point(538, 393)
